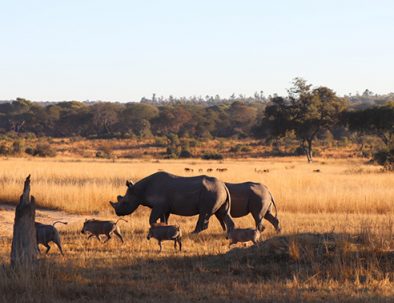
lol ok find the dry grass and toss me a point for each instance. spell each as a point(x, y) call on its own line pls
point(86, 186)
point(337, 243)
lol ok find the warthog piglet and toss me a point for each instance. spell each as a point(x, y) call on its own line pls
point(163, 232)
point(97, 227)
point(243, 235)
point(48, 233)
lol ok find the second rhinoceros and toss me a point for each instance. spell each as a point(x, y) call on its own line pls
point(254, 198)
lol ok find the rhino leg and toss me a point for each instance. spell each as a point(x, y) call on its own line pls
point(202, 223)
point(273, 220)
point(258, 218)
point(223, 215)
point(164, 218)
point(156, 213)
point(220, 219)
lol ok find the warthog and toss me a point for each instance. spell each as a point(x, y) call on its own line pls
point(163, 232)
point(243, 235)
point(98, 227)
point(48, 233)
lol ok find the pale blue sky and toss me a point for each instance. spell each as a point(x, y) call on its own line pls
point(123, 50)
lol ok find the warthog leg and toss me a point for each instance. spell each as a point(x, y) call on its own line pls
point(58, 244)
point(48, 248)
point(180, 244)
point(118, 234)
point(108, 238)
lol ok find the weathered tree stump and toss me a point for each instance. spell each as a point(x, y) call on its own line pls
point(24, 242)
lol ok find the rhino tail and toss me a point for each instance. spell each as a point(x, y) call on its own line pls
point(273, 202)
point(229, 223)
point(53, 224)
point(119, 220)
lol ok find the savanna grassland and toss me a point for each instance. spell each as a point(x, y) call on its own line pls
point(337, 242)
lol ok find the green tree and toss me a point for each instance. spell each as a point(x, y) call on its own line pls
point(306, 111)
point(378, 121)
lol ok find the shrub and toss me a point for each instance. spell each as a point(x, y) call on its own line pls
point(194, 143)
point(4, 149)
point(240, 148)
point(30, 150)
point(212, 156)
point(104, 152)
point(41, 150)
point(17, 147)
point(185, 153)
point(299, 151)
point(385, 158)
point(44, 150)
point(161, 141)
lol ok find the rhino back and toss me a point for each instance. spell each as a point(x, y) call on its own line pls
point(182, 195)
point(247, 197)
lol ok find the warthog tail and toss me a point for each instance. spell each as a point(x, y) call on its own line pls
point(273, 202)
point(53, 224)
point(119, 220)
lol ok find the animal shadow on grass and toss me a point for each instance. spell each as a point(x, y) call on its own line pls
point(321, 256)
point(280, 257)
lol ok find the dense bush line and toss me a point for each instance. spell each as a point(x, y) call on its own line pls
point(306, 114)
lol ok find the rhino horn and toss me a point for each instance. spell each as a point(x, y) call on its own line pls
point(129, 183)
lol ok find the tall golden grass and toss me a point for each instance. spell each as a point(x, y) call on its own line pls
point(83, 186)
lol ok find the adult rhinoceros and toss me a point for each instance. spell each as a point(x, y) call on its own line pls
point(254, 198)
point(168, 194)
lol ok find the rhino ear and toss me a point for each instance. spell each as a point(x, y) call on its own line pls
point(129, 184)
